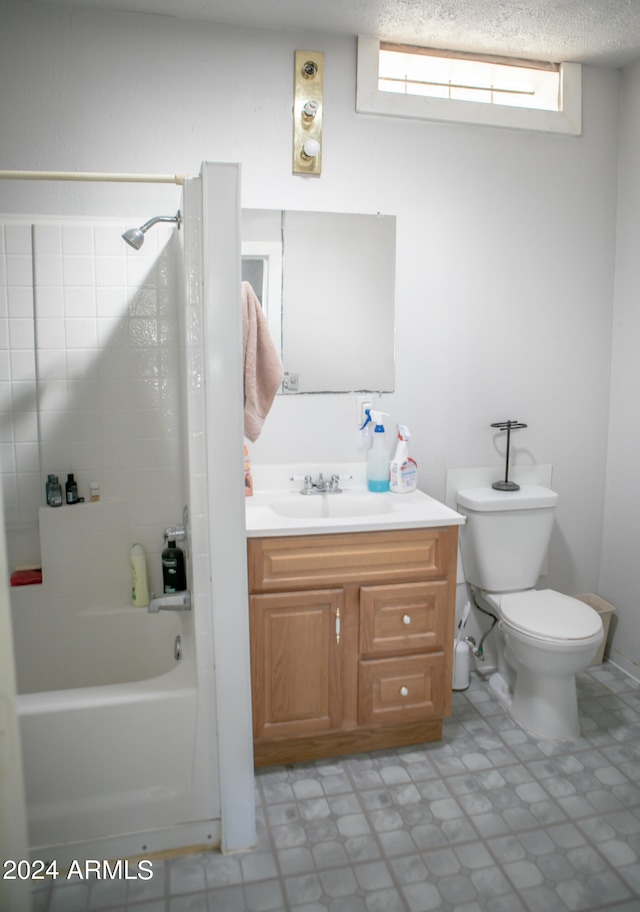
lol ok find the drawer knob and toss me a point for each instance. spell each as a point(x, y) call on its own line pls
point(404, 691)
point(406, 619)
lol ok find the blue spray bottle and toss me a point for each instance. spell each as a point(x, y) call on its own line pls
point(378, 457)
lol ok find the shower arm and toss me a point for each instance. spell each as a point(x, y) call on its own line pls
point(134, 237)
point(161, 218)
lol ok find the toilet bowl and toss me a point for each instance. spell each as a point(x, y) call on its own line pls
point(547, 638)
point(544, 638)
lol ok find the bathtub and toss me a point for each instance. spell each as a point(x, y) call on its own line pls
point(116, 758)
point(117, 746)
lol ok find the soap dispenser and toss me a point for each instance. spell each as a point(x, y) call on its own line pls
point(71, 489)
point(54, 491)
point(174, 575)
point(378, 457)
point(404, 469)
point(139, 584)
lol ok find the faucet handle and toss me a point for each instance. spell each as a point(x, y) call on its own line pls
point(308, 481)
point(335, 482)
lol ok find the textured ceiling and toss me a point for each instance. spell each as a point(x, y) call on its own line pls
point(601, 32)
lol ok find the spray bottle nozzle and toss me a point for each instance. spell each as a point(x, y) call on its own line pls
point(403, 432)
point(374, 415)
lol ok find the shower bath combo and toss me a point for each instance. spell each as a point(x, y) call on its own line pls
point(106, 803)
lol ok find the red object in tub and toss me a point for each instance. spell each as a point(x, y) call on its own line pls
point(26, 578)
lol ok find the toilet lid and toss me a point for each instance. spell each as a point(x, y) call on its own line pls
point(551, 615)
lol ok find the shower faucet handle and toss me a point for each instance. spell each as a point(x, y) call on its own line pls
point(175, 533)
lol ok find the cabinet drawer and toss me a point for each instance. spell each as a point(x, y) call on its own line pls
point(277, 564)
point(402, 618)
point(402, 689)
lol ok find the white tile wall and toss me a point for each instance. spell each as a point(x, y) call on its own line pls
point(18, 402)
point(98, 323)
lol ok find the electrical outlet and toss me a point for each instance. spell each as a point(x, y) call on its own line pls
point(291, 381)
point(362, 404)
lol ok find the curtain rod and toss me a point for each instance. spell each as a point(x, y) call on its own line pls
point(96, 176)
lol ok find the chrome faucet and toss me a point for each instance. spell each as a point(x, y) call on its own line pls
point(176, 601)
point(320, 485)
point(175, 533)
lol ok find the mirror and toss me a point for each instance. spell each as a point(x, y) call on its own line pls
point(326, 282)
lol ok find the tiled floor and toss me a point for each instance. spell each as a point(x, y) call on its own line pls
point(488, 820)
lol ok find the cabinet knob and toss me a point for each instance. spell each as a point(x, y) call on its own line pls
point(406, 619)
point(404, 691)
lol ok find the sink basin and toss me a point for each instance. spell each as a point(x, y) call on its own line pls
point(276, 511)
point(319, 506)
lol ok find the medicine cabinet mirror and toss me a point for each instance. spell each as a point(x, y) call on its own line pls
point(326, 282)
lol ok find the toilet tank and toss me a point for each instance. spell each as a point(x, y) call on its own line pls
point(504, 540)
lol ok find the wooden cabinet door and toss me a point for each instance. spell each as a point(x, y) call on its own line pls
point(295, 668)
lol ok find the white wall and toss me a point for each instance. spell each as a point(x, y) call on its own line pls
point(618, 578)
point(506, 240)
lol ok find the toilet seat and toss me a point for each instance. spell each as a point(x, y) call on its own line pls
point(550, 616)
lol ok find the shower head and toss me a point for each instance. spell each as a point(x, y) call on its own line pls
point(135, 236)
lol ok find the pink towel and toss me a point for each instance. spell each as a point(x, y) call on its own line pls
point(263, 370)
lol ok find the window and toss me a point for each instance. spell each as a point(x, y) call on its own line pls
point(430, 84)
point(462, 77)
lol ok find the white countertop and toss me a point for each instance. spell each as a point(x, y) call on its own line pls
point(277, 511)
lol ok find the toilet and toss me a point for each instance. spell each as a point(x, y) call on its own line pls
point(544, 637)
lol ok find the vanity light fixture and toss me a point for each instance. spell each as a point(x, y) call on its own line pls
point(307, 112)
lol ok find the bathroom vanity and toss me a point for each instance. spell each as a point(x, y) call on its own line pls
point(352, 605)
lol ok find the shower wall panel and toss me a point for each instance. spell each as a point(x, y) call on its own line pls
point(19, 462)
point(90, 382)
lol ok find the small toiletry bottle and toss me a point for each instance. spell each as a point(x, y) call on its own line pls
point(94, 491)
point(248, 483)
point(378, 456)
point(54, 491)
point(174, 576)
point(71, 489)
point(139, 581)
point(404, 469)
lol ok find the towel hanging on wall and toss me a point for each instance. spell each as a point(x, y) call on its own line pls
point(263, 371)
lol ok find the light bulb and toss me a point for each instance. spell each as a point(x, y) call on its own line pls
point(311, 148)
point(311, 108)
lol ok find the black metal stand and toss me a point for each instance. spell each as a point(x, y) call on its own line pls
point(507, 426)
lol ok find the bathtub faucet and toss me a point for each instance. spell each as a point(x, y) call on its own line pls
point(177, 601)
point(175, 533)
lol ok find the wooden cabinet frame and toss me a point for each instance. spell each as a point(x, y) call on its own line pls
point(351, 641)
